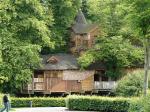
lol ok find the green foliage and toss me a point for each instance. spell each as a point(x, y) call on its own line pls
point(108, 14)
point(140, 105)
point(38, 102)
point(116, 53)
point(0, 50)
point(138, 17)
point(146, 103)
point(120, 47)
point(131, 84)
point(64, 12)
point(3, 79)
point(96, 103)
point(136, 105)
point(24, 30)
point(1, 97)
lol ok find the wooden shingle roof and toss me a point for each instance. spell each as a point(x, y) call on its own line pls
point(80, 18)
point(81, 26)
point(64, 62)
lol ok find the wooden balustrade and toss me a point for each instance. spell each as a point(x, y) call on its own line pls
point(39, 86)
point(104, 85)
point(38, 79)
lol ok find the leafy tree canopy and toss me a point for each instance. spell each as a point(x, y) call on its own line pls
point(131, 84)
point(118, 46)
point(139, 17)
point(115, 52)
point(24, 30)
point(64, 12)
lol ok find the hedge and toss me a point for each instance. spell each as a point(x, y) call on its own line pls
point(38, 102)
point(136, 105)
point(97, 103)
point(1, 97)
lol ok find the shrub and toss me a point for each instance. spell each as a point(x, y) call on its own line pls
point(131, 84)
point(141, 104)
point(146, 103)
point(38, 102)
point(136, 105)
point(97, 103)
point(1, 97)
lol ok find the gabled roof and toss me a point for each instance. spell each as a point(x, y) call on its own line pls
point(64, 62)
point(81, 26)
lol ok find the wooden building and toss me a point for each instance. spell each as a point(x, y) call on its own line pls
point(82, 34)
point(61, 73)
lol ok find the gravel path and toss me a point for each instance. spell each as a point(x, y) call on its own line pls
point(45, 109)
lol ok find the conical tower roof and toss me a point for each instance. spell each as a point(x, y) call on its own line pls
point(81, 26)
point(80, 18)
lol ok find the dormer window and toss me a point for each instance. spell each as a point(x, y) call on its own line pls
point(52, 60)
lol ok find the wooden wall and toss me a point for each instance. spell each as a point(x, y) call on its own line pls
point(81, 42)
point(88, 84)
point(52, 81)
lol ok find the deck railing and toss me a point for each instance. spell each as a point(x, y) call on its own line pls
point(38, 79)
point(38, 84)
point(104, 85)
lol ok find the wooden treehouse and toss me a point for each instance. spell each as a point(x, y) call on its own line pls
point(82, 34)
point(60, 72)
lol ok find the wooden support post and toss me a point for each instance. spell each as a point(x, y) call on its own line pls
point(33, 83)
point(45, 82)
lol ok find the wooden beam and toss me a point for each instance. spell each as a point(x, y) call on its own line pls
point(45, 85)
point(33, 83)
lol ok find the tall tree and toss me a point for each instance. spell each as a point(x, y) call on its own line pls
point(84, 8)
point(24, 30)
point(116, 53)
point(106, 14)
point(64, 12)
point(139, 20)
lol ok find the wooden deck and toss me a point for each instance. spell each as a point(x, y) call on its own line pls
point(59, 85)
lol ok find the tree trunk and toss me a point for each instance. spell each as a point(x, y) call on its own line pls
point(146, 67)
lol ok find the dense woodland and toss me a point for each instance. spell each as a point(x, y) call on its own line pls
point(29, 28)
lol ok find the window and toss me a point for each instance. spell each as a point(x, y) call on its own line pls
point(72, 44)
point(104, 78)
point(100, 76)
point(78, 42)
point(85, 43)
point(93, 42)
point(96, 77)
